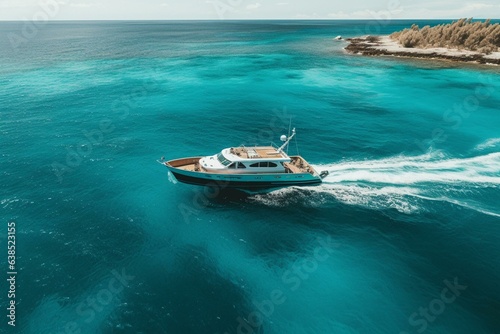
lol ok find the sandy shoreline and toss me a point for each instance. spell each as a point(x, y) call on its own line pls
point(385, 46)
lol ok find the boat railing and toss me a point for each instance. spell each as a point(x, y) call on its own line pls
point(273, 144)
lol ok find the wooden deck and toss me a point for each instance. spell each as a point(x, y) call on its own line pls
point(299, 165)
point(189, 164)
point(260, 152)
point(191, 167)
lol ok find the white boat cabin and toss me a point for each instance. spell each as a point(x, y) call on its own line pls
point(243, 160)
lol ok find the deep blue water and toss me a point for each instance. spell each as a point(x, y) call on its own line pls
point(106, 243)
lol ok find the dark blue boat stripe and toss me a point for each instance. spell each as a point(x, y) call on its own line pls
point(238, 184)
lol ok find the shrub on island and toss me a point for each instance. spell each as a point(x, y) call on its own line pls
point(478, 36)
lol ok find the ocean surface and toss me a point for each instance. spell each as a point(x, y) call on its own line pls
point(402, 237)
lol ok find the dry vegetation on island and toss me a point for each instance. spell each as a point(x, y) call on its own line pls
point(477, 36)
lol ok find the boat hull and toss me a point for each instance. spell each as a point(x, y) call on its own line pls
point(240, 181)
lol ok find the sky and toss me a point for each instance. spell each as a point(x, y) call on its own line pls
point(244, 9)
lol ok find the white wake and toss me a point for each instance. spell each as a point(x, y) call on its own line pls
point(403, 183)
point(428, 168)
point(488, 144)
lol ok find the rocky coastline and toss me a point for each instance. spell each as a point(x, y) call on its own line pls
point(385, 46)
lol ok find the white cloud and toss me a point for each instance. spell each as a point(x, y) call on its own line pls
point(339, 15)
point(255, 9)
point(478, 10)
point(84, 5)
point(254, 6)
point(13, 4)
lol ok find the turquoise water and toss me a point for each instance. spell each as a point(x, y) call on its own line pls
point(402, 237)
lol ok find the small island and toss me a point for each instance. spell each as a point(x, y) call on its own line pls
point(462, 40)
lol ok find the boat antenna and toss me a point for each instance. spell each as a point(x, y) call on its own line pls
point(297, 146)
point(289, 128)
point(286, 140)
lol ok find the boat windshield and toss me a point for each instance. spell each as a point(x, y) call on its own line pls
point(223, 160)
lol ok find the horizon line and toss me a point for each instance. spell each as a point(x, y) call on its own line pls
point(251, 19)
